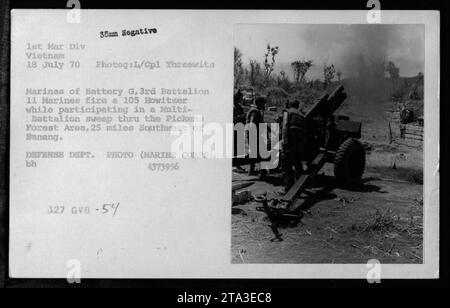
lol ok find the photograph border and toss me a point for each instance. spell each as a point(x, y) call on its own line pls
point(442, 213)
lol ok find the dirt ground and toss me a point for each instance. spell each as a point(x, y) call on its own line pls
point(381, 219)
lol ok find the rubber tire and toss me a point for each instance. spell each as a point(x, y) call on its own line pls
point(349, 163)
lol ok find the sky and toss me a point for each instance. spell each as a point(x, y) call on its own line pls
point(335, 44)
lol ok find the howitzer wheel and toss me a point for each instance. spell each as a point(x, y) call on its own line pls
point(349, 163)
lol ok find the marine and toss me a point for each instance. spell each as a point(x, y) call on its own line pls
point(255, 116)
point(294, 143)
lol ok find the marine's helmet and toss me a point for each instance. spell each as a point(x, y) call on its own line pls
point(295, 104)
point(260, 102)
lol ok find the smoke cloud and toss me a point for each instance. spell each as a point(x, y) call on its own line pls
point(355, 50)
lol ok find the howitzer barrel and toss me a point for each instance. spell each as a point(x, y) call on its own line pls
point(336, 93)
point(327, 104)
point(317, 107)
point(337, 102)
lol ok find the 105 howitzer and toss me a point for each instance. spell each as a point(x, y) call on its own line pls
point(332, 139)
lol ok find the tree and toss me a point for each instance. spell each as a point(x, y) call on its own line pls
point(339, 74)
point(393, 71)
point(255, 74)
point(246, 74)
point(269, 61)
point(283, 81)
point(238, 68)
point(328, 73)
point(300, 69)
point(255, 69)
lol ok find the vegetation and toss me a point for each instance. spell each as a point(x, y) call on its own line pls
point(238, 68)
point(300, 69)
point(394, 72)
point(269, 62)
point(279, 84)
point(328, 74)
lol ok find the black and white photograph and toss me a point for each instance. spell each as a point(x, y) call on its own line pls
point(348, 183)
